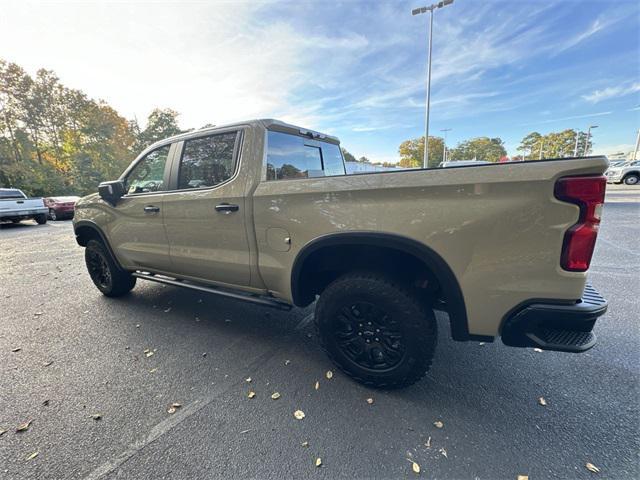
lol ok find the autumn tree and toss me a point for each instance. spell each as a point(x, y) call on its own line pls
point(412, 152)
point(535, 146)
point(480, 148)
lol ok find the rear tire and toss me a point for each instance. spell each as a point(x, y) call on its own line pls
point(41, 219)
point(111, 280)
point(376, 331)
point(631, 179)
point(52, 215)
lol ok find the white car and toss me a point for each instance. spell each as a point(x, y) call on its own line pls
point(15, 206)
point(629, 173)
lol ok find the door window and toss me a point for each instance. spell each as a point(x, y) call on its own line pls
point(148, 174)
point(207, 161)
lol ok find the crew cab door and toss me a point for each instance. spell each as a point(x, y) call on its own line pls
point(205, 214)
point(137, 232)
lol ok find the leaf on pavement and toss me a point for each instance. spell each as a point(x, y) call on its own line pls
point(539, 350)
point(275, 395)
point(251, 394)
point(414, 466)
point(38, 314)
point(96, 416)
point(443, 452)
point(523, 477)
point(17, 349)
point(149, 353)
point(167, 310)
point(329, 374)
point(542, 401)
point(287, 362)
point(299, 414)
point(428, 444)
point(45, 403)
point(153, 370)
point(305, 444)
point(171, 410)
point(176, 405)
point(317, 385)
point(248, 380)
point(438, 424)
point(592, 468)
point(370, 401)
point(24, 426)
point(33, 455)
point(318, 462)
point(48, 364)
point(2, 432)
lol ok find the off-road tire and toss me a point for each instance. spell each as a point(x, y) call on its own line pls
point(41, 219)
point(110, 279)
point(631, 179)
point(412, 318)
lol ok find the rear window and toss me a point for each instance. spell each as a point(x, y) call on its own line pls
point(11, 194)
point(292, 156)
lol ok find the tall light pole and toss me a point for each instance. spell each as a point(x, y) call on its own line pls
point(635, 150)
point(575, 150)
point(444, 144)
point(418, 11)
point(586, 144)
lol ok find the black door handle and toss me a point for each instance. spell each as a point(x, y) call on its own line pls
point(227, 208)
point(151, 209)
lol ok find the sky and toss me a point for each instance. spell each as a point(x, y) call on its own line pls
point(354, 69)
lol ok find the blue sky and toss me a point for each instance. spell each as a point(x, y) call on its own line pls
point(353, 69)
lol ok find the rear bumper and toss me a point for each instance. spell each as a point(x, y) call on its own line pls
point(553, 326)
point(23, 214)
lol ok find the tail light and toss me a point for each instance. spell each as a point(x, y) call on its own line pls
point(580, 239)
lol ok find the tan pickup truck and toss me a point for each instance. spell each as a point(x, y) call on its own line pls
point(263, 211)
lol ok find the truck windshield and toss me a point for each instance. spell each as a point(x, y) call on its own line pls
point(11, 195)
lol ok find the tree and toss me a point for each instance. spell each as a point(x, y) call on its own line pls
point(363, 159)
point(535, 146)
point(347, 156)
point(161, 123)
point(480, 148)
point(412, 152)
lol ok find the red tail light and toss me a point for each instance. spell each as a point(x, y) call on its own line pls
point(580, 239)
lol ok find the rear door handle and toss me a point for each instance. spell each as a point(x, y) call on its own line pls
point(151, 209)
point(227, 208)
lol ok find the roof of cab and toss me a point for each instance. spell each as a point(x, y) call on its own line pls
point(268, 123)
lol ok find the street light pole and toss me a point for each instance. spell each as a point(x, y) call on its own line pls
point(418, 11)
point(586, 144)
point(444, 144)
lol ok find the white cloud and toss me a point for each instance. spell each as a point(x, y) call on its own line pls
point(562, 119)
point(612, 92)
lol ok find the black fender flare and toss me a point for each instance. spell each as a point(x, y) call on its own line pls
point(95, 228)
point(434, 262)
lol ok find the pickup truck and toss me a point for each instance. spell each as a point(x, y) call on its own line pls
point(15, 206)
point(629, 173)
point(263, 211)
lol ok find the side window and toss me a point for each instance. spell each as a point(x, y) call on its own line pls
point(207, 161)
point(148, 174)
point(332, 159)
point(290, 156)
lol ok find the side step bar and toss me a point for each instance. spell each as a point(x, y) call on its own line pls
point(246, 297)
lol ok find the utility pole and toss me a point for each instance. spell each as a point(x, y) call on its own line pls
point(541, 147)
point(586, 144)
point(418, 11)
point(444, 144)
point(575, 150)
point(635, 151)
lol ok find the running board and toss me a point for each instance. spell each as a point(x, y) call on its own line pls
point(246, 297)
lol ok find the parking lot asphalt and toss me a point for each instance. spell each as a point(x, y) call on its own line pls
point(97, 376)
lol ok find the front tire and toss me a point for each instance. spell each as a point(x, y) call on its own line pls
point(111, 280)
point(376, 330)
point(631, 179)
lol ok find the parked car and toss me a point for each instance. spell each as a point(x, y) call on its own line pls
point(60, 207)
point(629, 173)
point(15, 206)
point(274, 220)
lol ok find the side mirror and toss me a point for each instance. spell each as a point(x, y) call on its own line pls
point(111, 191)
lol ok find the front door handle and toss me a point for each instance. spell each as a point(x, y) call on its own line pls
point(227, 208)
point(151, 209)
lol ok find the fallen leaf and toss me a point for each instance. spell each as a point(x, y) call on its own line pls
point(592, 468)
point(329, 374)
point(287, 362)
point(251, 394)
point(153, 370)
point(438, 424)
point(45, 403)
point(539, 350)
point(17, 349)
point(47, 364)
point(38, 313)
point(245, 431)
point(275, 395)
point(167, 310)
point(415, 467)
point(248, 380)
point(299, 414)
point(317, 385)
point(443, 452)
point(542, 401)
point(137, 325)
point(370, 401)
point(96, 416)
point(304, 444)
point(171, 410)
point(176, 405)
point(149, 354)
point(318, 462)
point(523, 477)
point(33, 455)
point(204, 354)
point(428, 444)
point(2, 432)
point(24, 426)
point(481, 343)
